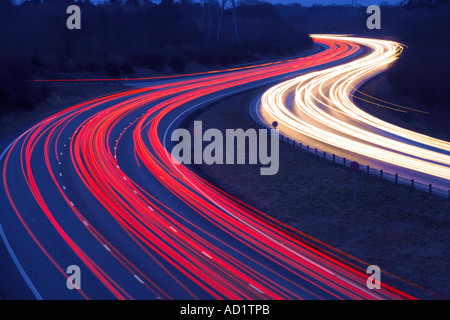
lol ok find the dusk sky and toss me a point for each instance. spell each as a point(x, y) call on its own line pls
point(224, 155)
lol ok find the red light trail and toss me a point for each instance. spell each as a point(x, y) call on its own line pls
point(185, 238)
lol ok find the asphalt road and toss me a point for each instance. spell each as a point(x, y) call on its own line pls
point(93, 186)
point(317, 109)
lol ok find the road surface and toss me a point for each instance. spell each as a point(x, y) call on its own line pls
point(94, 186)
point(317, 109)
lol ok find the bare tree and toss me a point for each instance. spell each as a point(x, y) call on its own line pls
point(219, 29)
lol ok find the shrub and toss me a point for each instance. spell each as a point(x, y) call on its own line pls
point(177, 63)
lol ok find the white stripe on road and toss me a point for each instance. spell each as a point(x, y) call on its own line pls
point(19, 266)
point(206, 254)
point(8, 246)
point(138, 279)
point(260, 291)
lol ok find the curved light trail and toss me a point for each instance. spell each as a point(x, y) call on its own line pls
point(94, 186)
point(322, 110)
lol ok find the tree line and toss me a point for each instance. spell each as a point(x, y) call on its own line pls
point(122, 38)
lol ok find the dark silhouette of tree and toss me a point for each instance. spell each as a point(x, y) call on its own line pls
point(134, 3)
point(120, 37)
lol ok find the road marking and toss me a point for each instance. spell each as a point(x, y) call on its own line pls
point(260, 291)
point(207, 255)
point(357, 287)
point(215, 202)
point(106, 247)
point(19, 266)
point(138, 279)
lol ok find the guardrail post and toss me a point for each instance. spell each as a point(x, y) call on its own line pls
point(307, 148)
point(448, 195)
point(381, 174)
point(396, 178)
point(412, 183)
point(343, 161)
point(315, 151)
point(324, 155)
point(368, 170)
point(430, 188)
point(301, 145)
point(334, 158)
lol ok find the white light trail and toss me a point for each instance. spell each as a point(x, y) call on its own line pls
point(324, 111)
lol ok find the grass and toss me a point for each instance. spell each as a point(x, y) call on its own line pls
point(404, 232)
point(425, 123)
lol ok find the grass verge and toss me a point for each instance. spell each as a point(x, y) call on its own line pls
point(404, 232)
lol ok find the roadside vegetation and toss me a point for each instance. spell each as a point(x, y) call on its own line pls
point(402, 231)
point(131, 38)
point(138, 38)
